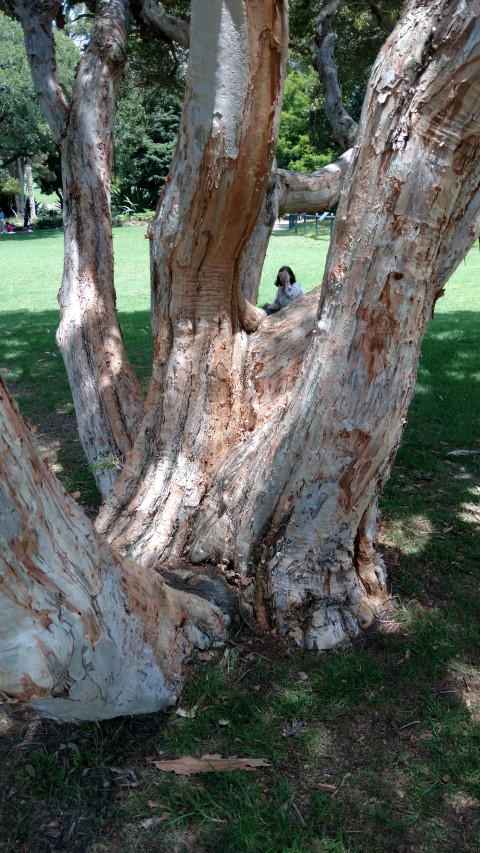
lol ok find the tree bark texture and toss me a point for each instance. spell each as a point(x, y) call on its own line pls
point(107, 396)
point(290, 492)
point(108, 399)
point(200, 315)
point(293, 506)
point(84, 633)
point(265, 442)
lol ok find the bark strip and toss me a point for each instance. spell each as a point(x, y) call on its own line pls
point(84, 634)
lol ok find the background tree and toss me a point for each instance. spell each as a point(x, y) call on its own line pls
point(354, 37)
point(298, 145)
point(25, 136)
point(147, 120)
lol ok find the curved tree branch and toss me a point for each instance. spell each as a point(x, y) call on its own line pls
point(343, 125)
point(315, 192)
point(36, 19)
point(288, 192)
point(161, 23)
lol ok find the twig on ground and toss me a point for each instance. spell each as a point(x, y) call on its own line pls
point(347, 775)
point(407, 725)
point(298, 813)
point(295, 729)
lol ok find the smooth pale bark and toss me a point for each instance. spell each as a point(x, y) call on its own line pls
point(108, 399)
point(84, 633)
point(200, 316)
point(306, 540)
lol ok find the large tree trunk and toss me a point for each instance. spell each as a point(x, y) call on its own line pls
point(284, 485)
point(264, 442)
point(412, 199)
point(200, 316)
point(84, 633)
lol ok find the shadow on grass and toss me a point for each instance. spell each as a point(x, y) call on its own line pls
point(37, 234)
point(392, 722)
point(33, 370)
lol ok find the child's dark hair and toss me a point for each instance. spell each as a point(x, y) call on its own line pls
point(291, 276)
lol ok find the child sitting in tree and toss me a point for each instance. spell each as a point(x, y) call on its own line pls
point(288, 290)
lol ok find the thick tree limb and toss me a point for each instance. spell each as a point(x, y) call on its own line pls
point(36, 18)
point(161, 23)
point(333, 445)
point(84, 633)
point(107, 396)
point(343, 126)
point(200, 317)
point(315, 192)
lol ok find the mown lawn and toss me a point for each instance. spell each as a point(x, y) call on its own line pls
point(388, 758)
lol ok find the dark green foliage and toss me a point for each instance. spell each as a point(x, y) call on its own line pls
point(147, 120)
point(297, 145)
point(24, 131)
point(145, 139)
point(361, 29)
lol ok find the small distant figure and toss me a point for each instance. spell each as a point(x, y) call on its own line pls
point(288, 290)
point(2, 222)
point(9, 228)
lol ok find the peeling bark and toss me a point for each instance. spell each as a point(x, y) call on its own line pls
point(306, 539)
point(200, 316)
point(84, 633)
point(107, 396)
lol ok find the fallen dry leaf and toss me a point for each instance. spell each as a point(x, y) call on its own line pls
point(149, 822)
point(187, 765)
point(188, 714)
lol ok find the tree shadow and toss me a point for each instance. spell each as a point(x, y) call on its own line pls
point(392, 721)
point(33, 370)
point(36, 234)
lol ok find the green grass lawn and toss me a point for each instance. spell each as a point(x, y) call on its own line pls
point(391, 722)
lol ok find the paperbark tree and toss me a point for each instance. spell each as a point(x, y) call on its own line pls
point(107, 397)
point(264, 443)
